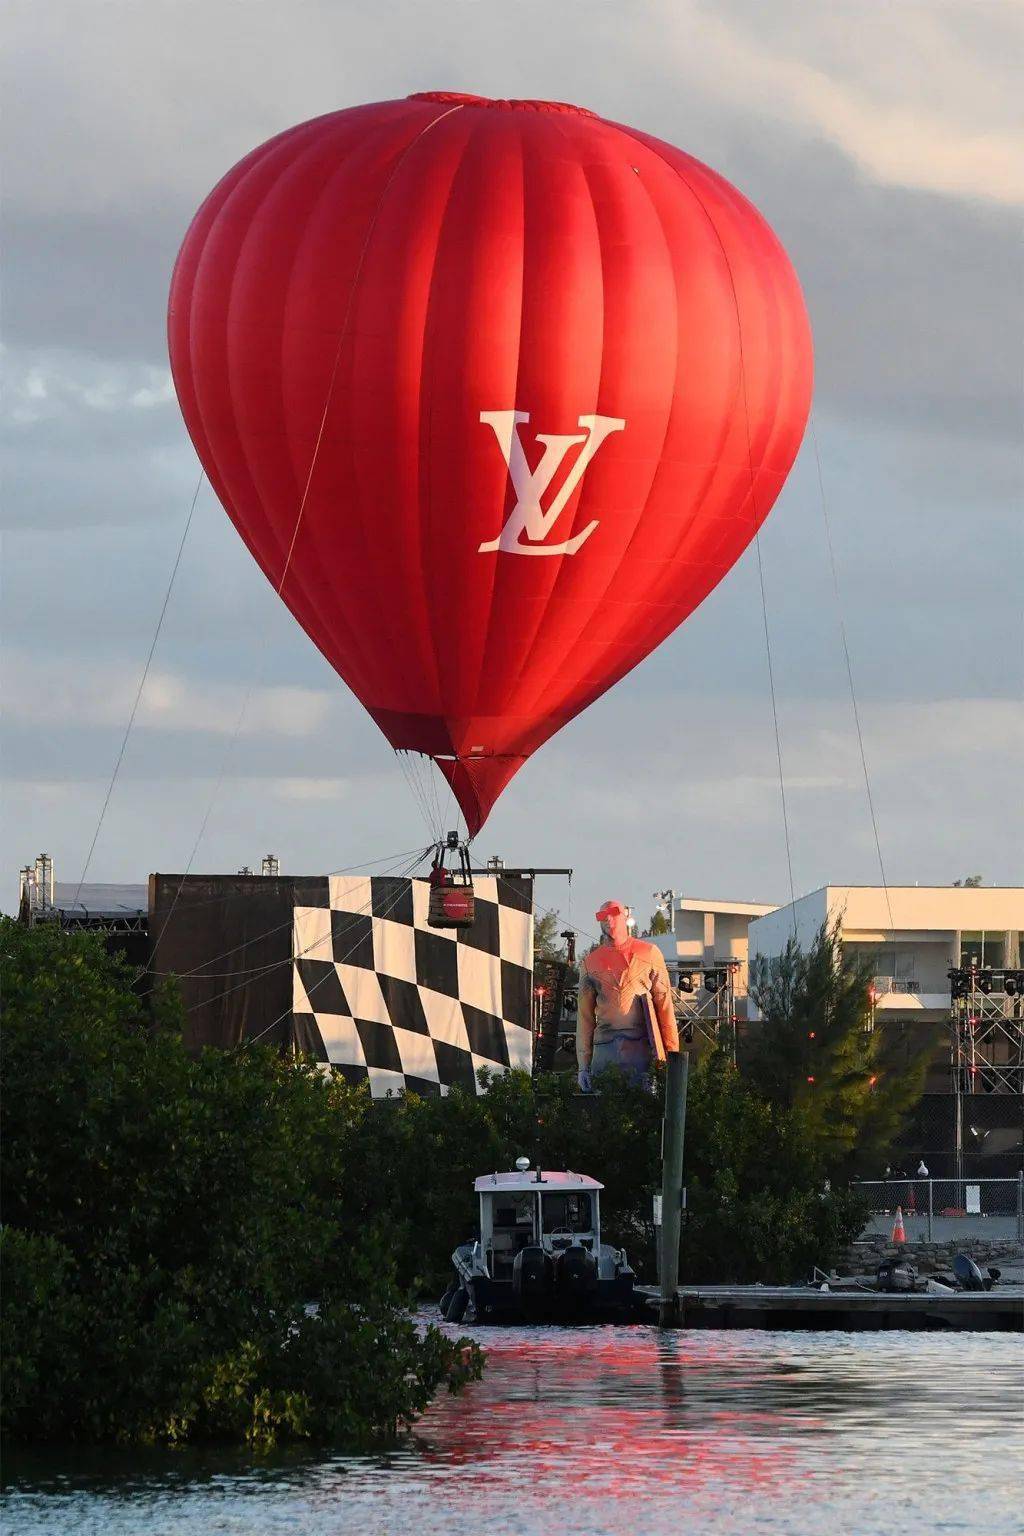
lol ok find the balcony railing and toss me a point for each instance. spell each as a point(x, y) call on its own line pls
point(883, 984)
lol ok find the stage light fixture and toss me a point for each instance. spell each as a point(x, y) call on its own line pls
point(959, 983)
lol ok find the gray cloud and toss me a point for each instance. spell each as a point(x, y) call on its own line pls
point(878, 152)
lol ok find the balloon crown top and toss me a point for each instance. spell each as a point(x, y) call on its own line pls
point(460, 99)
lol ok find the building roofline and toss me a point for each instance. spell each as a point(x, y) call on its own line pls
point(841, 885)
point(743, 908)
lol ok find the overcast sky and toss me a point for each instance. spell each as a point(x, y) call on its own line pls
point(882, 141)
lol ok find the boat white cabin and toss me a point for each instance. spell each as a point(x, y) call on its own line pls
point(539, 1252)
point(535, 1208)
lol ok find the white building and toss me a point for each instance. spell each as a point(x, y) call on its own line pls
point(913, 934)
point(708, 933)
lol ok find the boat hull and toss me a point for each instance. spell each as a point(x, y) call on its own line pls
point(498, 1302)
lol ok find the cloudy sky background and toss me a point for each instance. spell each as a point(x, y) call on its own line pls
point(882, 141)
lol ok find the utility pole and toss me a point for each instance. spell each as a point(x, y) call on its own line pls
point(673, 1132)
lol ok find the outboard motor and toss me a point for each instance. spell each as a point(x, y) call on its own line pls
point(968, 1273)
point(575, 1276)
point(897, 1275)
point(532, 1276)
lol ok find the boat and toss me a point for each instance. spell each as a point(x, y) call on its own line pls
point(539, 1255)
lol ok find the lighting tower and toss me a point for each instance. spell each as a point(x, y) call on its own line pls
point(986, 1037)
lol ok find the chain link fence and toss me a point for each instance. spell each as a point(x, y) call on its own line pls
point(941, 1210)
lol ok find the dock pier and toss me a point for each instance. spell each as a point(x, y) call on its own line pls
point(848, 1308)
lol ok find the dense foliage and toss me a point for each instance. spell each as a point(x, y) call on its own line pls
point(168, 1220)
point(758, 1206)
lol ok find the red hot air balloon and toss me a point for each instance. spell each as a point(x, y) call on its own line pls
point(495, 392)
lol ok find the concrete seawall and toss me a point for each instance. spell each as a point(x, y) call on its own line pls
point(872, 1248)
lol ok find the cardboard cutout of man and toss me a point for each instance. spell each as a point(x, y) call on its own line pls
point(611, 1029)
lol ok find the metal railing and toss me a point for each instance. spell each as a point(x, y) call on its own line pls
point(881, 985)
point(937, 1209)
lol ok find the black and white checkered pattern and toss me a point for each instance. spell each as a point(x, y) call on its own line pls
point(381, 996)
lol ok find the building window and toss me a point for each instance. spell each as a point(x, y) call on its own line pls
point(985, 948)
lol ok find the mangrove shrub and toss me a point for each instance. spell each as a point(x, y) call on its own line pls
point(186, 1251)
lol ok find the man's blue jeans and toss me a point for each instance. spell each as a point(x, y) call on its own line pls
point(630, 1053)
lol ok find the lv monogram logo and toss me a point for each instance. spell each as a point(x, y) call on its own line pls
point(528, 520)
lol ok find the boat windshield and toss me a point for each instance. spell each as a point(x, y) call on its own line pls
point(512, 1227)
point(572, 1212)
point(516, 1214)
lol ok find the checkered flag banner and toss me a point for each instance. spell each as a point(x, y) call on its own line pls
point(384, 998)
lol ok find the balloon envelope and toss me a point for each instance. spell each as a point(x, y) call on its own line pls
point(495, 393)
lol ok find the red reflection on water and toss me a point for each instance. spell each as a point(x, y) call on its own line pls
point(620, 1415)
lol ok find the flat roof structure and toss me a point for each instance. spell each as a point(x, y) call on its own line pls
point(528, 1182)
point(740, 908)
point(100, 900)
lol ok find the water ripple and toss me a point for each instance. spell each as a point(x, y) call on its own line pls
point(611, 1431)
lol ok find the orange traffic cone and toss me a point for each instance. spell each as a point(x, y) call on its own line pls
point(898, 1233)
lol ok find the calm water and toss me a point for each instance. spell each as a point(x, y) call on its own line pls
point(617, 1430)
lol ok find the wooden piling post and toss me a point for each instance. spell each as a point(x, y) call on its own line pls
point(673, 1131)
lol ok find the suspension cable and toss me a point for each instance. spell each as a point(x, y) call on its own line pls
point(343, 333)
point(327, 974)
point(199, 972)
point(290, 960)
point(849, 676)
point(142, 684)
point(695, 194)
point(206, 817)
point(775, 720)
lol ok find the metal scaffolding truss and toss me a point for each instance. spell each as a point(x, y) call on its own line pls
point(704, 999)
point(986, 1044)
point(987, 1047)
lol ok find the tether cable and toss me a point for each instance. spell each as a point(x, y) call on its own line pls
point(205, 821)
point(142, 684)
point(331, 973)
point(849, 676)
point(199, 972)
point(753, 504)
point(342, 336)
point(363, 911)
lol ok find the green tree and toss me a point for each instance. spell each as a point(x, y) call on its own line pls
point(658, 923)
point(169, 1220)
point(969, 882)
point(817, 1051)
point(759, 1204)
point(546, 939)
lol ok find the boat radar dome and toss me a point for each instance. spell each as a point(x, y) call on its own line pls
point(522, 1163)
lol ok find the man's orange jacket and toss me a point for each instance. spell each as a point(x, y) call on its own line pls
point(613, 978)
